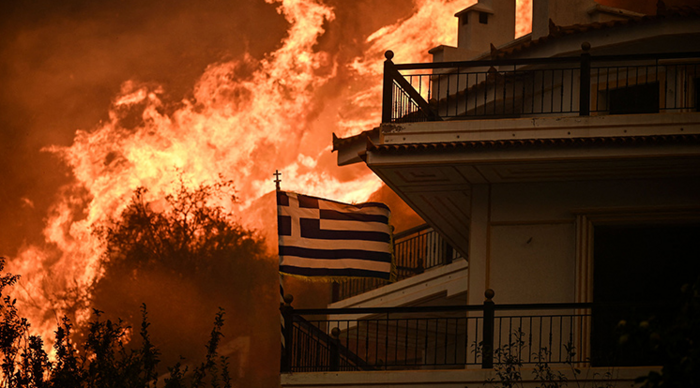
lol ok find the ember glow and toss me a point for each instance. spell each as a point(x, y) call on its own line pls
point(244, 119)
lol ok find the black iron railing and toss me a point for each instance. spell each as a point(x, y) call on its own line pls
point(582, 85)
point(415, 250)
point(315, 350)
point(445, 337)
point(436, 337)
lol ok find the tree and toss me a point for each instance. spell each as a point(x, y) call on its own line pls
point(185, 260)
point(101, 361)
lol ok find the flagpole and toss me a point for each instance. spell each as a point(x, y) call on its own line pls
point(277, 180)
point(284, 305)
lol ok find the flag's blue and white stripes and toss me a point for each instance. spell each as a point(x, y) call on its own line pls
point(318, 237)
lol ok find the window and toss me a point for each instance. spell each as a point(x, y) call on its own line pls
point(465, 19)
point(642, 98)
point(483, 18)
point(641, 269)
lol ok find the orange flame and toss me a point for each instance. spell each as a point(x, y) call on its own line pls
point(246, 119)
point(431, 25)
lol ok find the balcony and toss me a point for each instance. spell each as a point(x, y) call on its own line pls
point(561, 86)
point(450, 128)
point(458, 337)
point(415, 251)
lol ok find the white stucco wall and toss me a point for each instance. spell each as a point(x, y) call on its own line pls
point(528, 252)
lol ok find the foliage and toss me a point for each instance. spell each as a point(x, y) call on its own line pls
point(677, 344)
point(544, 373)
point(189, 235)
point(509, 363)
point(102, 361)
point(185, 255)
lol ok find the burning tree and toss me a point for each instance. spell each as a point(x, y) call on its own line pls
point(185, 256)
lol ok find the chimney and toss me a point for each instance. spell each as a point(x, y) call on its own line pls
point(484, 23)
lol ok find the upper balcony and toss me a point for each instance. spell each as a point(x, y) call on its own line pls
point(580, 99)
point(450, 127)
point(582, 85)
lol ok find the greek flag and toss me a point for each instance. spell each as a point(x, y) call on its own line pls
point(323, 238)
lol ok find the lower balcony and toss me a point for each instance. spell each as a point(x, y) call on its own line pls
point(473, 343)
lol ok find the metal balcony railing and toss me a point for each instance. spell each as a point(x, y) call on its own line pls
point(583, 85)
point(415, 250)
point(445, 337)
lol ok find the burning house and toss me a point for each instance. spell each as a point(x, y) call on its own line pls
point(559, 176)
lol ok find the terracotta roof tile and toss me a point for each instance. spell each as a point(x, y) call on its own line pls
point(361, 137)
point(559, 31)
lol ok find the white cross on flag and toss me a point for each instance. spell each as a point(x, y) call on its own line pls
point(323, 238)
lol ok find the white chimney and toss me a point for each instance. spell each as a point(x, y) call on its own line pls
point(484, 23)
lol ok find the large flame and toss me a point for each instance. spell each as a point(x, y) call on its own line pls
point(246, 118)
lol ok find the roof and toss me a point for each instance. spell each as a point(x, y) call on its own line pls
point(556, 32)
point(523, 44)
point(520, 143)
point(478, 7)
point(359, 138)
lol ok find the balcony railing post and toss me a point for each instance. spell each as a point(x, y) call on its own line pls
point(335, 354)
point(585, 85)
point(287, 315)
point(489, 321)
point(387, 88)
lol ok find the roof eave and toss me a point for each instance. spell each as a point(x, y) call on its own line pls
point(350, 149)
